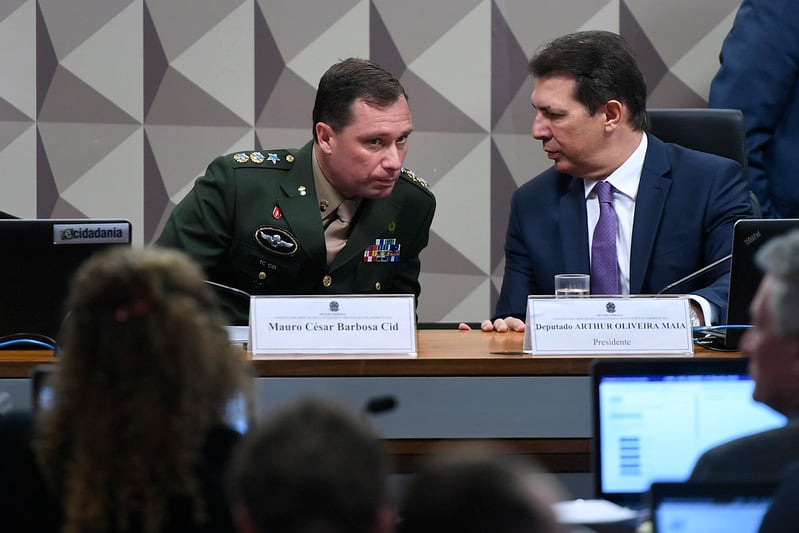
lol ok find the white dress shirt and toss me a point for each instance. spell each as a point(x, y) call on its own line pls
point(625, 180)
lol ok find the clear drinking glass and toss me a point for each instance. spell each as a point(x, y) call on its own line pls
point(572, 285)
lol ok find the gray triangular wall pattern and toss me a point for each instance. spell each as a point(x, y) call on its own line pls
point(75, 128)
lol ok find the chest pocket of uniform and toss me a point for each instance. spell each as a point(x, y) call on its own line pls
point(260, 270)
point(375, 277)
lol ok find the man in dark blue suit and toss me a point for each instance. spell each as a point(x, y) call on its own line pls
point(674, 207)
point(759, 75)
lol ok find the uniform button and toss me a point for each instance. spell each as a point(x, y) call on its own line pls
point(378, 286)
point(262, 275)
point(327, 281)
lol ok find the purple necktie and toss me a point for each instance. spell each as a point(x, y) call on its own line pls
point(604, 262)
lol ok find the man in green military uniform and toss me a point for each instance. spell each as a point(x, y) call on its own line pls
point(273, 222)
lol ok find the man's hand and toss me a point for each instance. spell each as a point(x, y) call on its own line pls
point(500, 325)
point(696, 310)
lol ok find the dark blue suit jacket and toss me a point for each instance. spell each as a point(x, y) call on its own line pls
point(759, 75)
point(783, 515)
point(687, 204)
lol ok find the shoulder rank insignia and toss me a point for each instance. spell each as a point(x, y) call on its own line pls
point(416, 179)
point(278, 159)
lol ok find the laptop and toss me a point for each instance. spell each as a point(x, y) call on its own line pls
point(709, 507)
point(654, 417)
point(747, 238)
point(40, 257)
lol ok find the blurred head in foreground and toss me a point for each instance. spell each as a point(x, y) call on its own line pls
point(312, 467)
point(145, 365)
point(480, 491)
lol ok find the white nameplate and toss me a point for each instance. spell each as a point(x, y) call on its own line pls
point(608, 326)
point(337, 324)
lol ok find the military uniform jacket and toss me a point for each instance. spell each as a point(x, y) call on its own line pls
point(252, 221)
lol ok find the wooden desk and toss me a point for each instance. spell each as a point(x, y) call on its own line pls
point(462, 386)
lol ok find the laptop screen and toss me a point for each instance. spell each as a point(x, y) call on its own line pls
point(705, 508)
point(40, 256)
point(653, 418)
point(748, 236)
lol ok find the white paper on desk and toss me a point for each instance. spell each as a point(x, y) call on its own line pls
point(602, 325)
point(589, 512)
point(336, 324)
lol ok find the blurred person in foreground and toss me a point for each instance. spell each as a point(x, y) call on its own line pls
point(772, 345)
point(312, 466)
point(480, 491)
point(670, 209)
point(135, 439)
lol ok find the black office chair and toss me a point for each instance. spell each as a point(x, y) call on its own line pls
point(715, 131)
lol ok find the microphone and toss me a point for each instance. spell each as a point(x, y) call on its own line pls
point(230, 290)
point(234, 303)
point(380, 404)
point(693, 275)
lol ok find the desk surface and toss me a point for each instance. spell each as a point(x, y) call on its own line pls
point(440, 353)
point(443, 354)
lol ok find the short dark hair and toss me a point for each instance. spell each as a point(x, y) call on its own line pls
point(312, 466)
point(347, 81)
point(475, 493)
point(604, 67)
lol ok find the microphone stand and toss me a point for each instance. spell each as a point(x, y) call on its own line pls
point(694, 275)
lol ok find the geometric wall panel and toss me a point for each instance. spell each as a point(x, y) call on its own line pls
point(113, 107)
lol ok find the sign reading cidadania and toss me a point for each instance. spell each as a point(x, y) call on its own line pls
point(608, 326)
point(340, 324)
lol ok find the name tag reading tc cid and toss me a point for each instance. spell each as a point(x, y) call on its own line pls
point(598, 325)
point(339, 324)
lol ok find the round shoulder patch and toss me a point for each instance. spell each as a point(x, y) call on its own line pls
point(276, 240)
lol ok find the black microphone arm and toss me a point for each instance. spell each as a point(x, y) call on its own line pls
point(693, 275)
point(228, 289)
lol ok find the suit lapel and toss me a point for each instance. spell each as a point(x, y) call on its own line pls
point(574, 229)
point(301, 211)
point(652, 192)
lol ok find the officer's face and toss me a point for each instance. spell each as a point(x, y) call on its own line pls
point(365, 157)
point(574, 140)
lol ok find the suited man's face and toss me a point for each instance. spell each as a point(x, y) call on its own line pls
point(574, 140)
point(365, 157)
point(773, 360)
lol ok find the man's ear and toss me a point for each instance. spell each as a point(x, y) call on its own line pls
point(325, 137)
point(614, 111)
